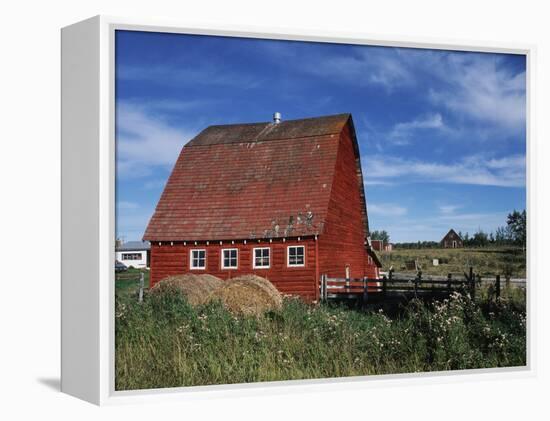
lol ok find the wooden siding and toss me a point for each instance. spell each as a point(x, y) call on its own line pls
point(343, 240)
point(452, 236)
point(167, 259)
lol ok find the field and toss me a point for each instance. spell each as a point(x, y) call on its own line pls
point(164, 342)
point(485, 261)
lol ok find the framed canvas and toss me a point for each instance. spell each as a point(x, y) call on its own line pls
point(245, 210)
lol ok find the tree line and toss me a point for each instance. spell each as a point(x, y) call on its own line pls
point(513, 233)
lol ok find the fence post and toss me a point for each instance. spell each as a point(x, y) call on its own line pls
point(497, 286)
point(385, 285)
point(417, 281)
point(321, 289)
point(141, 285)
point(449, 277)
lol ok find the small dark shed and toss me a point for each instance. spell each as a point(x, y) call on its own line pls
point(452, 240)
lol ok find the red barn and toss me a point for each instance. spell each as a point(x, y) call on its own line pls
point(283, 199)
point(377, 245)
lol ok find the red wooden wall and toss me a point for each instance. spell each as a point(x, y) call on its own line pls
point(343, 240)
point(168, 259)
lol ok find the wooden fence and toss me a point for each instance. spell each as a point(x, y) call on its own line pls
point(392, 286)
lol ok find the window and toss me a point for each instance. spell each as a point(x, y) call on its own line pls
point(261, 257)
point(229, 258)
point(295, 256)
point(198, 259)
point(131, 256)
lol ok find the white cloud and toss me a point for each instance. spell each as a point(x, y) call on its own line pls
point(144, 141)
point(387, 209)
point(449, 209)
point(401, 132)
point(481, 89)
point(475, 86)
point(367, 66)
point(505, 172)
point(371, 182)
point(126, 205)
point(432, 121)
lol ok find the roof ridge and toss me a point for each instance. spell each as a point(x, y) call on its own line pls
point(270, 123)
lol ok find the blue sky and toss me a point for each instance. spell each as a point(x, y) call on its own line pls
point(441, 133)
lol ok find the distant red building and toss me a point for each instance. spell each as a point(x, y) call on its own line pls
point(284, 200)
point(378, 245)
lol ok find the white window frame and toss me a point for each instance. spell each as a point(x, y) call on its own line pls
point(191, 266)
point(223, 258)
point(131, 255)
point(254, 257)
point(288, 257)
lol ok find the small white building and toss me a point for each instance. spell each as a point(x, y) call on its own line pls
point(134, 254)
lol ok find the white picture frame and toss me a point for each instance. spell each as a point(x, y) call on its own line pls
point(88, 210)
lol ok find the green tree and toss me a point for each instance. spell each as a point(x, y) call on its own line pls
point(517, 222)
point(480, 239)
point(380, 235)
point(503, 235)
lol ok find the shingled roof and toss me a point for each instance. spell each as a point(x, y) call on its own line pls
point(246, 181)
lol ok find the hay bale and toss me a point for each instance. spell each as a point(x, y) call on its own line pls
point(196, 288)
point(248, 295)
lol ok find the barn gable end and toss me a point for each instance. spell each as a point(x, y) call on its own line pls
point(346, 229)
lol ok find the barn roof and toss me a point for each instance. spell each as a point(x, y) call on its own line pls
point(375, 257)
point(246, 181)
point(451, 232)
point(258, 132)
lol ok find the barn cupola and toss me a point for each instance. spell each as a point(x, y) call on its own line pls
point(276, 118)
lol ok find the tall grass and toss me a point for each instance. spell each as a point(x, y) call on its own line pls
point(164, 342)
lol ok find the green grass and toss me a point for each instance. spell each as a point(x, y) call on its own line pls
point(485, 261)
point(127, 283)
point(164, 342)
